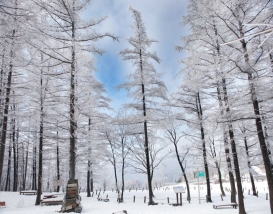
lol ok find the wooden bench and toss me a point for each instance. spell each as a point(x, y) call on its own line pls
point(103, 199)
point(28, 192)
point(233, 205)
point(49, 196)
point(51, 202)
point(2, 204)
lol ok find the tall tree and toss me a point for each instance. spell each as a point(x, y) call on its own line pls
point(144, 83)
point(74, 35)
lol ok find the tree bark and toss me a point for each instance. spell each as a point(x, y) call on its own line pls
point(6, 108)
point(200, 115)
point(234, 153)
point(249, 169)
point(146, 142)
point(7, 188)
point(34, 167)
point(230, 170)
point(41, 139)
point(72, 130)
point(258, 121)
point(15, 163)
point(58, 160)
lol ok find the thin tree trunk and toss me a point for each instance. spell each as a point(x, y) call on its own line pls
point(15, 163)
point(259, 128)
point(72, 130)
point(213, 151)
point(92, 184)
point(88, 178)
point(58, 161)
point(234, 154)
point(89, 162)
point(6, 108)
point(26, 164)
point(183, 171)
point(41, 139)
point(249, 168)
point(34, 185)
point(230, 170)
point(200, 115)
point(7, 188)
point(146, 142)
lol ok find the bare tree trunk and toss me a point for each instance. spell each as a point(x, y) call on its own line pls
point(41, 139)
point(26, 164)
point(92, 184)
point(146, 142)
point(122, 172)
point(230, 170)
point(249, 168)
point(72, 130)
point(259, 128)
point(180, 162)
point(213, 152)
point(7, 188)
point(88, 178)
point(89, 162)
point(200, 115)
point(6, 108)
point(58, 161)
point(34, 184)
point(15, 163)
point(234, 154)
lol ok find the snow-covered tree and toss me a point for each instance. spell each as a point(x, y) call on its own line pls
point(144, 84)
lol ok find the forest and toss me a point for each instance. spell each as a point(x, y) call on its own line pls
point(57, 122)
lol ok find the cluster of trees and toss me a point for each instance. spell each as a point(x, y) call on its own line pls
point(226, 90)
point(55, 114)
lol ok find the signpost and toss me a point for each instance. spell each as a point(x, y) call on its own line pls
point(198, 174)
point(178, 190)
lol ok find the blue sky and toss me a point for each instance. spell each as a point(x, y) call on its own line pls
point(162, 19)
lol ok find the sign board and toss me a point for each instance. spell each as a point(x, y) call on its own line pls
point(199, 174)
point(179, 189)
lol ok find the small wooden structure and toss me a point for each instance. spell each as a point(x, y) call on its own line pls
point(28, 192)
point(2, 204)
point(178, 190)
point(51, 200)
point(72, 199)
point(103, 199)
point(233, 205)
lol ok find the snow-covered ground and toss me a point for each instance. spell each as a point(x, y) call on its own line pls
point(24, 204)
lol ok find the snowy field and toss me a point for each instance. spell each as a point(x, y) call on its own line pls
point(24, 204)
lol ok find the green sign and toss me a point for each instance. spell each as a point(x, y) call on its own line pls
point(199, 174)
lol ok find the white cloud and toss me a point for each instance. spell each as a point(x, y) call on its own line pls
point(162, 20)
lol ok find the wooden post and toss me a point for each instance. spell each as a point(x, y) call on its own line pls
point(144, 199)
point(257, 194)
point(221, 197)
point(266, 197)
point(168, 200)
point(180, 199)
point(134, 198)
